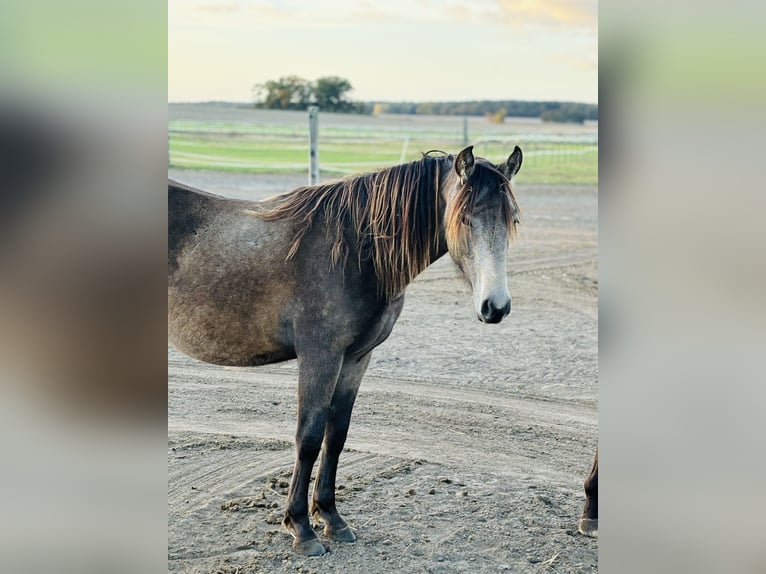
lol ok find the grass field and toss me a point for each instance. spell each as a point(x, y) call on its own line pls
point(260, 141)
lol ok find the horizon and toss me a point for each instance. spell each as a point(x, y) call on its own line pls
point(252, 102)
point(390, 50)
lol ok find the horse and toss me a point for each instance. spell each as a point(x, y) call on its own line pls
point(319, 274)
point(588, 524)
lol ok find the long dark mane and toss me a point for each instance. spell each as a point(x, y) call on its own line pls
point(393, 215)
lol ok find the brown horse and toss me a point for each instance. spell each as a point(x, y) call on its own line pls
point(319, 274)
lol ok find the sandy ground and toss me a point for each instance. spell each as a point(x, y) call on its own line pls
point(468, 445)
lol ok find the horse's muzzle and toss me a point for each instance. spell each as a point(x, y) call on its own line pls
point(491, 314)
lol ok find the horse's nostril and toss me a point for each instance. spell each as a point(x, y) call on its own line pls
point(492, 314)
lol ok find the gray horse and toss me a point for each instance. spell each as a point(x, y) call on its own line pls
point(319, 274)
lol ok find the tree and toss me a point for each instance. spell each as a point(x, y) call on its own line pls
point(329, 94)
point(294, 93)
point(286, 93)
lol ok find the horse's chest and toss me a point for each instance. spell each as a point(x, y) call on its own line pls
point(378, 329)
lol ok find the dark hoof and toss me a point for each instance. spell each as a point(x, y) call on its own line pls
point(345, 534)
point(588, 527)
point(309, 547)
point(341, 531)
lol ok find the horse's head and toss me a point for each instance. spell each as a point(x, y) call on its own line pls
point(480, 218)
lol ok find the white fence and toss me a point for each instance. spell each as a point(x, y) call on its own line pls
point(349, 148)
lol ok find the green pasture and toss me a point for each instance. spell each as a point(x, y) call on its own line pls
point(275, 149)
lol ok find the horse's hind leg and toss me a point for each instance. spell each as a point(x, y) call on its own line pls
point(589, 521)
point(317, 376)
point(323, 501)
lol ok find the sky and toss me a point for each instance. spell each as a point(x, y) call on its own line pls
point(390, 50)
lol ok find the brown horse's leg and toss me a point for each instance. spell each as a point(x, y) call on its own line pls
point(589, 521)
point(323, 501)
point(317, 376)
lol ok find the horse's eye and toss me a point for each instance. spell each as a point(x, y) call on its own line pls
point(467, 221)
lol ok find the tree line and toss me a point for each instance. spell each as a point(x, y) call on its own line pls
point(330, 93)
point(547, 111)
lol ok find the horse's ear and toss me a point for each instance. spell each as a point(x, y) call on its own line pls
point(513, 164)
point(464, 163)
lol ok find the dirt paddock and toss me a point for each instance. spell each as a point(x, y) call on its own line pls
point(469, 442)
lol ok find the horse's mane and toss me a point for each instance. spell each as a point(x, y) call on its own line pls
point(393, 215)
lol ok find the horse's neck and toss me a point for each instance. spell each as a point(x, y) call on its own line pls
point(441, 249)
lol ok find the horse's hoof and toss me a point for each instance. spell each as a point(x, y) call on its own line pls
point(588, 527)
point(309, 547)
point(345, 534)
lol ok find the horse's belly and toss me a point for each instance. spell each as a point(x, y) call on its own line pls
point(231, 353)
point(232, 356)
point(228, 336)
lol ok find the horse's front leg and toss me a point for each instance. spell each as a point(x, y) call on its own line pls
point(317, 376)
point(588, 524)
point(323, 501)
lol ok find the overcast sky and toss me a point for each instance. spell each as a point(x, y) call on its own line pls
point(413, 50)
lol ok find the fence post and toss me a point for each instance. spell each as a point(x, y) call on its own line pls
point(465, 131)
point(313, 145)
